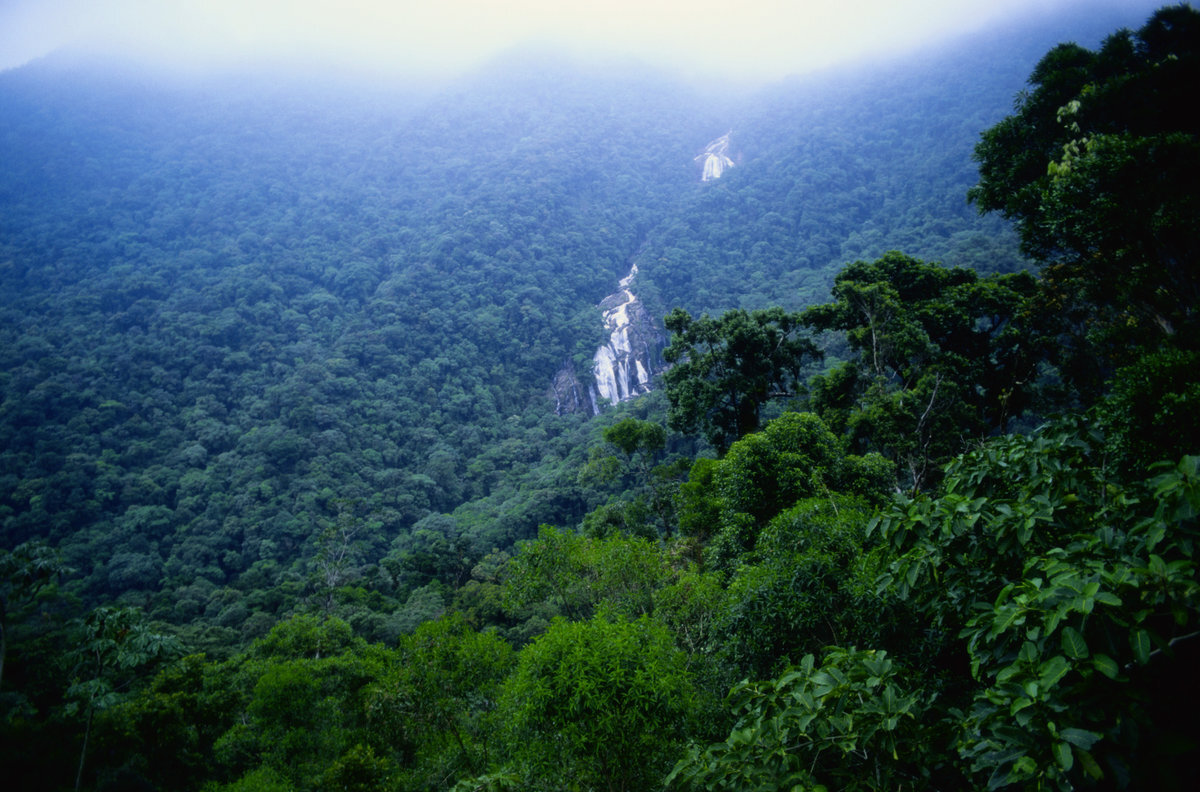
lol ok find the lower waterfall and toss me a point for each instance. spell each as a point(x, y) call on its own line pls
point(623, 367)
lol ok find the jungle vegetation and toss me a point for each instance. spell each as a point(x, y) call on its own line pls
point(285, 505)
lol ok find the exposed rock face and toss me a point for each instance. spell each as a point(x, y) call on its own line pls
point(568, 392)
point(715, 158)
point(621, 369)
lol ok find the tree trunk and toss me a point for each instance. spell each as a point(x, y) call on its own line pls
point(87, 730)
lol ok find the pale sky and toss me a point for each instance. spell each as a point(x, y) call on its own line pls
point(753, 39)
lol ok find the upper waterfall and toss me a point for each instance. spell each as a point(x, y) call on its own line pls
point(715, 158)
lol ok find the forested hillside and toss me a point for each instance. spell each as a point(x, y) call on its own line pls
point(234, 317)
point(286, 503)
point(242, 313)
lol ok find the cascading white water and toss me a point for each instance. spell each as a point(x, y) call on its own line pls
point(715, 158)
point(619, 374)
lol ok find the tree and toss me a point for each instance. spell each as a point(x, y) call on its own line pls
point(699, 508)
point(574, 575)
point(602, 703)
point(941, 358)
point(1071, 594)
point(303, 713)
point(335, 553)
point(646, 508)
point(725, 370)
point(808, 584)
point(1150, 415)
point(850, 723)
point(115, 644)
point(166, 730)
point(794, 457)
point(1098, 167)
point(639, 441)
point(25, 572)
point(440, 697)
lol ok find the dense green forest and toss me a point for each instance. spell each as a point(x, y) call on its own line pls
point(286, 504)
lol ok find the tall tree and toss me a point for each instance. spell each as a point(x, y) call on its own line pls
point(647, 506)
point(602, 704)
point(940, 358)
point(440, 697)
point(724, 370)
point(115, 645)
point(1098, 166)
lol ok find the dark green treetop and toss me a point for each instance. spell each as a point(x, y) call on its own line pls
point(725, 369)
point(940, 357)
point(1098, 166)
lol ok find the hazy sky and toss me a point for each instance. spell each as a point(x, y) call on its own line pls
point(738, 38)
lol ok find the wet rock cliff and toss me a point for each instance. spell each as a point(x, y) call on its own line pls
point(624, 367)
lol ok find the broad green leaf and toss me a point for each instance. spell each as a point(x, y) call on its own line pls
point(1155, 534)
point(1024, 766)
point(1080, 738)
point(1140, 641)
point(1053, 670)
point(1073, 644)
point(1089, 764)
point(877, 666)
point(1004, 619)
point(822, 684)
point(1002, 597)
point(1054, 618)
point(1062, 755)
point(1106, 665)
point(786, 680)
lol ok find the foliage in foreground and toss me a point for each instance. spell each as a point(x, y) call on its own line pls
point(1067, 597)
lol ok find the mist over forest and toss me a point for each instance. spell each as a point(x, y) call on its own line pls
point(310, 477)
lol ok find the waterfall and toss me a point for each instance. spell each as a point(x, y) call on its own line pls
point(622, 367)
point(715, 158)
